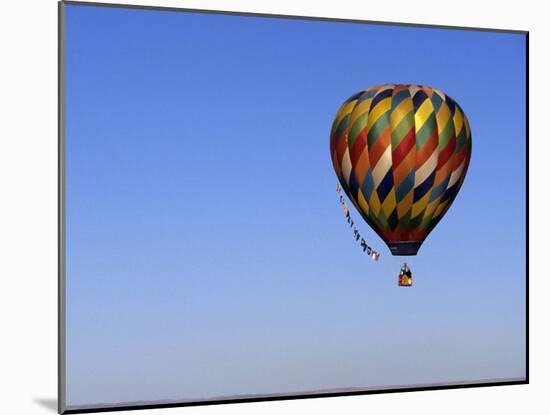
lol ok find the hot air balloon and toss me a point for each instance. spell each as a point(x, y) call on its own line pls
point(401, 153)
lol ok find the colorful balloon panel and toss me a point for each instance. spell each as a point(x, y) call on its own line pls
point(401, 153)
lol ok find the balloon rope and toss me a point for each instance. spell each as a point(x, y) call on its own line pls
point(366, 248)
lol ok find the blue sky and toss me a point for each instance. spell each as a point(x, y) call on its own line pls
point(207, 253)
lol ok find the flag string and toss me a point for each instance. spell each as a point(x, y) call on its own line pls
point(363, 244)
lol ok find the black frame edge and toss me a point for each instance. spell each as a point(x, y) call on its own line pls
point(61, 362)
point(292, 397)
point(287, 16)
point(527, 207)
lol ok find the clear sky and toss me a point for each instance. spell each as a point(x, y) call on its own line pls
point(207, 251)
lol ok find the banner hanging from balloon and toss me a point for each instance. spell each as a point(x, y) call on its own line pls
point(363, 244)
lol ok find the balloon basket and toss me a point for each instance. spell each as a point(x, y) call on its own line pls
point(405, 279)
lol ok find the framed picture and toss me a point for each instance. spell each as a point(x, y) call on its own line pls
point(262, 207)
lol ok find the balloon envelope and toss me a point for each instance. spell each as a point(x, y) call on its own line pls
point(401, 153)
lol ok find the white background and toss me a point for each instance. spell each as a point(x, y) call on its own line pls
point(28, 205)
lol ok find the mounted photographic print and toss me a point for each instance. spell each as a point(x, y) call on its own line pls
point(258, 207)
